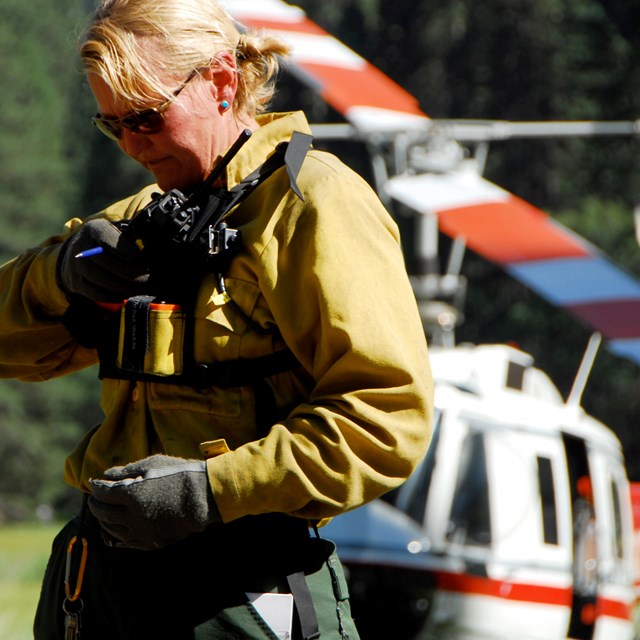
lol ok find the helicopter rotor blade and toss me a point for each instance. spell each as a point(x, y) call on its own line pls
point(547, 257)
point(439, 179)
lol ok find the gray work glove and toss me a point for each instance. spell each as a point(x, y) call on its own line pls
point(154, 502)
point(119, 272)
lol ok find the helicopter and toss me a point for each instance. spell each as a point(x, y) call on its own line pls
point(518, 523)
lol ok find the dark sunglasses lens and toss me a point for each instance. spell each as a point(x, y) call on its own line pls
point(149, 121)
point(145, 122)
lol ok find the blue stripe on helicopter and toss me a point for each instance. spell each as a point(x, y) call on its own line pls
point(626, 348)
point(576, 280)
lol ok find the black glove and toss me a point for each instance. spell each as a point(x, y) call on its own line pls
point(118, 272)
point(154, 502)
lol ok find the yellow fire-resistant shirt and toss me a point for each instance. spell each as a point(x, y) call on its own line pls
point(329, 274)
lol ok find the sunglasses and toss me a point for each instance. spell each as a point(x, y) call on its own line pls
point(144, 122)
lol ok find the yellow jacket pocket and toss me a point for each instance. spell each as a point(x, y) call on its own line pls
point(151, 338)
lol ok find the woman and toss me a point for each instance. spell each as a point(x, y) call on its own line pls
point(249, 391)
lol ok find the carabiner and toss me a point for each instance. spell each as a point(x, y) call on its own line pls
point(83, 564)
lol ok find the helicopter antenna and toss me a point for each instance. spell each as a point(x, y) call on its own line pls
point(579, 384)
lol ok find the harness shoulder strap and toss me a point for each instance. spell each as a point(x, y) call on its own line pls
point(290, 154)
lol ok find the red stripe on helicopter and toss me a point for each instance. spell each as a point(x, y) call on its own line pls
point(476, 585)
point(509, 231)
point(344, 88)
point(539, 594)
point(343, 78)
point(614, 609)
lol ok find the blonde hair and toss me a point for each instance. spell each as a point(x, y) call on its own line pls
point(133, 45)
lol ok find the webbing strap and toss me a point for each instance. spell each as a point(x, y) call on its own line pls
point(232, 373)
point(304, 605)
point(136, 337)
point(291, 154)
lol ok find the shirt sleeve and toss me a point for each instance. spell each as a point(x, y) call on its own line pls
point(335, 279)
point(34, 344)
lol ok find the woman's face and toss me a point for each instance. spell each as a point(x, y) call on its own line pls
point(196, 132)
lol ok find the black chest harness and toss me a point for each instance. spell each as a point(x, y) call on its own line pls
point(184, 238)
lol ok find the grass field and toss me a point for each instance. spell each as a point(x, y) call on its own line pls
point(24, 551)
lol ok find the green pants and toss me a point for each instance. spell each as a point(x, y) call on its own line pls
point(196, 589)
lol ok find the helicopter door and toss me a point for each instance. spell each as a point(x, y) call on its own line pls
point(498, 517)
point(585, 544)
point(610, 615)
point(603, 593)
point(531, 530)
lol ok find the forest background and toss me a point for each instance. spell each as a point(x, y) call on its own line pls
point(495, 59)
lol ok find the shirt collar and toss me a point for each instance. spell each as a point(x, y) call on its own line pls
point(274, 129)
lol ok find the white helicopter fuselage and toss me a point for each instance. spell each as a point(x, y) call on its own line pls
point(521, 513)
point(516, 551)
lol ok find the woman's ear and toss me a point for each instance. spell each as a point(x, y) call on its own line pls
point(224, 79)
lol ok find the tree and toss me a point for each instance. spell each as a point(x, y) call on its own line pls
point(37, 182)
point(43, 164)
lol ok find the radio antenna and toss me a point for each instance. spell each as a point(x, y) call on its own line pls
point(216, 172)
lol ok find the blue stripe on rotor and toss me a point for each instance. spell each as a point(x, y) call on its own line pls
point(566, 281)
point(626, 348)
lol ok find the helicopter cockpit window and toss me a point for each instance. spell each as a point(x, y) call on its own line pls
point(547, 501)
point(411, 497)
point(470, 522)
